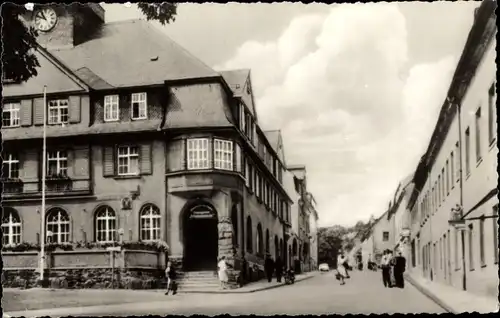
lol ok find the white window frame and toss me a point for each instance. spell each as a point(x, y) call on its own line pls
point(11, 228)
point(197, 152)
point(60, 220)
point(14, 109)
point(11, 161)
point(150, 215)
point(111, 108)
point(139, 99)
point(60, 107)
point(58, 156)
point(105, 225)
point(223, 154)
point(131, 153)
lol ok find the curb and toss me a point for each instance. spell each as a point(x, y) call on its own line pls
point(237, 291)
point(429, 295)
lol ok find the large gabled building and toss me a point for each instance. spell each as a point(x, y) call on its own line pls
point(147, 148)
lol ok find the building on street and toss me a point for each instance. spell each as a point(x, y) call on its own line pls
point(453, 206)
point(147, 146)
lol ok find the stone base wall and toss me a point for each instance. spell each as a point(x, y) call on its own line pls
point(86, 278)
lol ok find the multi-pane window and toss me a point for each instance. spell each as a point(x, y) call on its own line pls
point(257, 183)
point(57, 163)
point(11, 227)
point(471, 248)
point(58, 111)
point(10, 115)
point(247, 173)
point(10, 166)
point(242, 118)
point(58, 226)
point(197, 152)
point(111, 108)
point(223, 154)
point(105, 225)
point(128, 160)
point(139, 106)
point(481, 242)
point(478, 134)
point(467, 151)
point(491, 112)
point(150, 223)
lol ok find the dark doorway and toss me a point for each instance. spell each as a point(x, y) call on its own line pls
point(201, 239)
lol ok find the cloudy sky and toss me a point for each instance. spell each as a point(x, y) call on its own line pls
point(355, 88)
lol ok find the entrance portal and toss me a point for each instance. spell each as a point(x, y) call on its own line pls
point(201, 239)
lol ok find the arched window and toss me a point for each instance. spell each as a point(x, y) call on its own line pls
point(276, 247)
point(11, 227)
point(249, 235)
point(58, 225)
point(234, 221)
point(105, 225)
point(260, 243)
point(150, 223)
point(267, 241)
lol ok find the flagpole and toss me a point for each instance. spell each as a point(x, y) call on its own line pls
point(44, 168)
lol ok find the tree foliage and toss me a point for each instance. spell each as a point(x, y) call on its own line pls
point(19, 62)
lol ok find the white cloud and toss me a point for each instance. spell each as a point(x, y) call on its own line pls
point(334, 85)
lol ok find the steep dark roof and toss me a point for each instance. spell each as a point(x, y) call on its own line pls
point(273, 136)
point(134, 53)
point(236, 79)
point(91, 79)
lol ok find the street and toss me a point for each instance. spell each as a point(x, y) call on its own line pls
point(322, 294)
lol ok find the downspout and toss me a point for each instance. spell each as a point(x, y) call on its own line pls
point(462, 232)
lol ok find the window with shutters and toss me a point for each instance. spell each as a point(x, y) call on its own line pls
point(223, 154)
point(11, 227)
point(197, 154)
point(58, 226)
point(150, 223)
point(10, 166)
point(128, 160)
point(105, 225)
point(57, 163)
point(11, 115)
point(111, 108)
point(139, 106)
point(58, 111)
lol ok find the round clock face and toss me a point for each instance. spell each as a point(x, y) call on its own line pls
point(45, 19)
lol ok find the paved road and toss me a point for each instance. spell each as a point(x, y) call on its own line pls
point(363, 294)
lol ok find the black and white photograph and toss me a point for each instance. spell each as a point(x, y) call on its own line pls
point(286, 158)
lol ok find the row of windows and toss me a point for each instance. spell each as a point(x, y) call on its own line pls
point(263, 246)
point(57, 224)
point(248, 127)
point(450, 173)
point(441, 249)
point(265, 192)
point(198, 151)
point(58, 110)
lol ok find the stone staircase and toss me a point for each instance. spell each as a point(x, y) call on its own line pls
point(198, 281)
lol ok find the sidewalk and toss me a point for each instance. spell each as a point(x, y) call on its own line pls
point(451, 299)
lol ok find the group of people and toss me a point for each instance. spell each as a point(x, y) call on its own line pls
point(393, 268)
point(273, 267)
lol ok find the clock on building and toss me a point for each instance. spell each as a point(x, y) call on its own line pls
point(45, 19)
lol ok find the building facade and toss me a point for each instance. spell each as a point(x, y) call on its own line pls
point(145, 147)
point(313, 233)
point(456, 178)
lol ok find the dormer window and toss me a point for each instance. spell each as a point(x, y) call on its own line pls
point(139, 106)
point(10, 115)
point(111, 108)
point(58, 111)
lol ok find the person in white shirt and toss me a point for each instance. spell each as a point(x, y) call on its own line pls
point(386, 269)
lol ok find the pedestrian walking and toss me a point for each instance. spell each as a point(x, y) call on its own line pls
point(399, 269)
point(269, 267)
point(341, 270)
point(386, 269)
point(222, 271)
point(278, 268)
point(170, 275)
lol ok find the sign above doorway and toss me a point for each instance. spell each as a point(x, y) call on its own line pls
point(202, 212)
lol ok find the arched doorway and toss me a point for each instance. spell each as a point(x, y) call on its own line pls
point(201, 238)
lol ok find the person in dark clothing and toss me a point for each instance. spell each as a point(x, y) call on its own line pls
point(399, 269)
point(278, 267)
point(269, 267)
